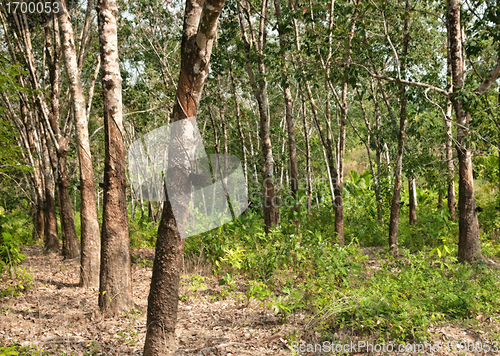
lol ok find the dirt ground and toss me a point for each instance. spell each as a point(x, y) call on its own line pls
point(57, 316)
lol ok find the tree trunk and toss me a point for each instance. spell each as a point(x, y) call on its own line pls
point(449, 161)
point(90, 235)
point(28, 134)
point(308, 148)
point(200, 26)
point(440, 198)
point(469, 247)
point(395, 206)
point(252, 155)
point(39, 219)
point(51, 234)
point(50, 225)
point(115, 288)
point(290, 126)
point(339, 187)
point(498, 148)
point(366, 142)
point(412, 192)
point(259, 87)
point(240, 128)
point(71, 247)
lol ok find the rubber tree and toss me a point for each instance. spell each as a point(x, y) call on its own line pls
point(90, 235)
point(115, 286)
point(199, 31)
point(254, 41)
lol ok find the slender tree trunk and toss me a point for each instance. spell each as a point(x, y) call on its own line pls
point(366, 142)
point(396, 193)
point(259, 86)
point(39, 218)
point(200, 26)
point(240, 128)
point(115, 287)
point(327, 140)
point(28, 134)
point(440, 198)
point(469, 246)
point(412, 192)
point(339, 206)
point(292, 147)
point(151, 216)
point(71, 247)
point(50, 233)
point(449, 161)
point(90, 235)
point(375, 171)
point(252, 155)
point(498, 149)
point(328, 144)
point(308, 149)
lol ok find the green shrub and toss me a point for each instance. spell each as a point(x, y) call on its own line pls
point(408, 294)
point(13, 234)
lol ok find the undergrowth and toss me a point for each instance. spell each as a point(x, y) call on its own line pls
point(372, 294)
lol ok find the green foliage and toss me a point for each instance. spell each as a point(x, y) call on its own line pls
point(5, 351)
point(407, 295)
point(19, 283)
point(195, 282)
point(19, 350)
point(14, 232)
point(142, 232)
point(434, 228)
point(293, 269)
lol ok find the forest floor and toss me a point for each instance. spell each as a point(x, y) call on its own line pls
point(56, 316)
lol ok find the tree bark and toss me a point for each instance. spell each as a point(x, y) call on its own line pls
point(200, 26)
point(39, 219)
point(395, 206)
point(90, 235)
point(469, 247)
point(50, 233)
point(412, 192)
point(115, 288)
point(449, 161)
point(71, 248)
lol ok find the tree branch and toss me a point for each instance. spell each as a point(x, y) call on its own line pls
point(406, 82)
point(490, 79)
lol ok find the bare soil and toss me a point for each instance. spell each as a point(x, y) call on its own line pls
point(56, 315)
